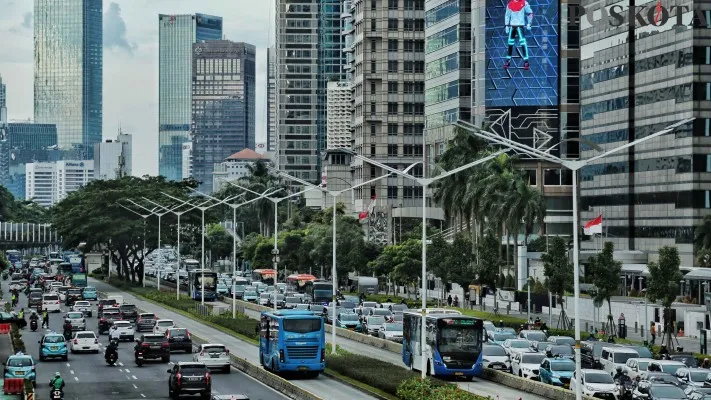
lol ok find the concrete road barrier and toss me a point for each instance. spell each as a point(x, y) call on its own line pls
point(530, 386)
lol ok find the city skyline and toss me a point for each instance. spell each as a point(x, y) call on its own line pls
point(130, 90)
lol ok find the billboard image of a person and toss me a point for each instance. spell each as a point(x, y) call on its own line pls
point(519, 15)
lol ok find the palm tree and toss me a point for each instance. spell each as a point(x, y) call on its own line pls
point(259, 180)
point(702, 233)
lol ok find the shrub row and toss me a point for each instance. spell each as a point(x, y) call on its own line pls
point(16, 338)
point(417, 389)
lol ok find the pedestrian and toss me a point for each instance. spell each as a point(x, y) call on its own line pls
point(45, 319)
point(653, 332)
point(466, 299)
point(449, 300)
point(456, 300)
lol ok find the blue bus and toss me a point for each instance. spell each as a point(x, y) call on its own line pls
point(13, 256)
point(321, 292)
point(195, 279)
point(292, 340)
point(453, 346)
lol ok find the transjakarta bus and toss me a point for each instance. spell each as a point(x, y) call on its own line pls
point(189, 264)
point(321, 292)
point(453, 346)
point(195, 278)
point(265, 276)
point(292, 340)
point(13, 256)
point(297, 282)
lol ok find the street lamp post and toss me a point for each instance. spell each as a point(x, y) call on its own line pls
point(334, 195)
point(574, 166)
point(425, 183)
point(530, 282)
point(143, 252)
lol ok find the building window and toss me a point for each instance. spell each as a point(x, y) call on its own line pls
point(392, 24)
point(372, 150)
point(372, 192)
point(392, 192)
point(392, 4)
point(392, 150)
point(392, 87)
point(373, 68)
point(373, 46)
point(372, 108)
point(392, 45)
point(417, 171)
point(530, 175)
point(392, 66)
point(372, 87)
point(551, 177)
point(392, 108)
point(392, 129)
point(373, 130)
point(373, 4)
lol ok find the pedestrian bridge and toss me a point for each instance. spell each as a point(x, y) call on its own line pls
point(28, 233)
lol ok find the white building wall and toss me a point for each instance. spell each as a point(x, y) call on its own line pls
point(338, 115)
point(49, 183)
point(187, 160)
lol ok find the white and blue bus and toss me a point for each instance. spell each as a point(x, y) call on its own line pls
point(195, 279)
point(453, 346)
point(292, 340)
point(189, 264)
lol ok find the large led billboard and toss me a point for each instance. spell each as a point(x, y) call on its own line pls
point(522, 53)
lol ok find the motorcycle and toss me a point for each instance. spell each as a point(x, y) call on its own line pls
point(56, 395)
point(33, 324)
point(5, 276)
point(625, 387)
point(111, 359)
point(67, 335)
point(139, 358)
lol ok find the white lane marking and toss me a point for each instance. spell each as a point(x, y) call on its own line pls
point(120, 363)
point(134, 377)
point(127, 371)
point(68, 365)
point(72, 371)
point(76, 379)
point(134, 386)
point(143, 395)
point(120, 369)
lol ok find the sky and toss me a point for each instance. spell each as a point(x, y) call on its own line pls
point(130, 94)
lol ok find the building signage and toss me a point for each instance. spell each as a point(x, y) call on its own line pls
point(654, 15)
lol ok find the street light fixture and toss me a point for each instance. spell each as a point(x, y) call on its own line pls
point(574, 166)
point(334, 194)
point(143, 252)
point(234, 242)
point(203, 208)
point(425, 183)
point(178, 214)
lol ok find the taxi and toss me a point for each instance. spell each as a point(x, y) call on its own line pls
point(20, 366)
point(53, 345)
point(89, 293)
point(557, 371)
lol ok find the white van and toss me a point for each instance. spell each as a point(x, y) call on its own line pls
point(119, 299)
point(50, 302)
point(613, 357)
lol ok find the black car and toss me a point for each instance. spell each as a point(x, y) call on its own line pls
point(128, 312)
point(73, 294)
point(563, 350)
point(179, 339)
point(665, 391)
point(34, 299)
point(688, 359)
point(151, 347)
point(590, 353)
point(106, 318)
point(145, 321)
point(189, 378)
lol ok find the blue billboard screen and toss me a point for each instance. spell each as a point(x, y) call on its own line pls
point(522, 53)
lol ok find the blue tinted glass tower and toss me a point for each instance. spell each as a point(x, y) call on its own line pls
point(177, 33)
point(68, 72)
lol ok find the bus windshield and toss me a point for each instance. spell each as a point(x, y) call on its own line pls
point(210, 281)
point(302, 325)
point(459, 339)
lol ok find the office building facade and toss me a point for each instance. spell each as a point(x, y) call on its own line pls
point(3, 104)
point(234, 167)
point(309, 54)
point(113, 158)
point(653, 194)
point(388, 93)
point(223, 104)
point(68, 72)
point(338, 115)
point(24, 143)
point(272, 137)
point(187, 160)
point(177, 33)
point(49, 183)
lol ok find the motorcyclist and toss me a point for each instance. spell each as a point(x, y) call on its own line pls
point(618, 374)
point(34, 316)
point(67, 328)
point(57, 383)
point(706, 364)
point(112, 348)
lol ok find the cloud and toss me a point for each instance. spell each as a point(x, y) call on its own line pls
point(27, 20)
point(115, 30)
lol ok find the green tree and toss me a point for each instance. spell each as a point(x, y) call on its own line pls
point(438, 259)
point(702, 233)
point(408, 262)
point(606, 277)
point(460, 261)
point(703, 258)
point(557, 268)
point(219, 241)
point(664, 277)
point(487, 265)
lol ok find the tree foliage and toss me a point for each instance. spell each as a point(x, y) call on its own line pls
point(663, 285)
point(605, 276)
point(219, 241)
point(20, 210)
point(557, 268)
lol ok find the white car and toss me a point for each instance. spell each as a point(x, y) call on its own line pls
point(666, 366)
point(635, 366)
point(51, 302)
point(516, 346)
point(494, 356)
point(76, 318)
point(264, 299)
point(82, 306)
point(526, 365)
point(122, 330)
point(692, 376)
point(214, 355)
point(162, 325)
point(84, 341)
point(595, 383)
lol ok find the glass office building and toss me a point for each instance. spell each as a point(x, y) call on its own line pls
point(68, 72)
point(223, 91)
point(25, 143)
point(177, 33)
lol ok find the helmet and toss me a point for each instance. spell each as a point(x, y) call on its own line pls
point(57, 374)
point(706, 359)
point(619, 368)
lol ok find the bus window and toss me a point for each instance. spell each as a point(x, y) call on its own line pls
point(302, 325)
point(274, 330)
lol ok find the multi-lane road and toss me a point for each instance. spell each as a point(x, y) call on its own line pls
point(87, 376)
point(478, 386)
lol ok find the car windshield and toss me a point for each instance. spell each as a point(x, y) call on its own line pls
point(54, 339)
point(565, 340)
point(110, 312)
point(148, 316)
point(536, 336)
point(122, 324)
point(19, 362)
point(82, 303)
point(75, 315)
point(699, 376)
point(563, 366)
point(349, 317)
point(302, 325)
point(621, 358)
point(370, 304)
point(153, 339)
point(495, 351)
point(519, 344)
point(381, 311)
point(375, 320)
point(293, 299)
point(86, 335)
point(666, 392)
point(127, 308)
point(533, 358)
point(393, 327)
point(250, 293)
point(501, 336)
point(50, 297)
point(178, 332)
point(671, 368)
point(214, 349)
point(165, 323)
point(347, 304)
point(563, 350)
point(642, 365)
point(643, 352)
point(598, 377)
point(459, 338)
point(35, 295)
point(193, 370)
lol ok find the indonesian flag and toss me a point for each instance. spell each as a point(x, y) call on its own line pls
point(594, 226)
point(364, 214)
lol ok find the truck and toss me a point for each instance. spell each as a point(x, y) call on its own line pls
point(367, 285)
point(93, 261)
point(79, 280)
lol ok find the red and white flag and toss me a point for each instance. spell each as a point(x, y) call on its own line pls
point(594, 226)
point(364, 214)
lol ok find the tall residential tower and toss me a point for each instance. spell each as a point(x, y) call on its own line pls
point(177, 33)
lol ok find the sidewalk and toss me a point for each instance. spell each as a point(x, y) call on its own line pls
point(6, 351)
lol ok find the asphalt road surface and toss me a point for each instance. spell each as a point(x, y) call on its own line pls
point(87, 376)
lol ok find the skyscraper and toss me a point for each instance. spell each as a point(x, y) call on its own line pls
point(223, 85)
point(113, 158)
point(272, 138)
point(308, 49)
point(68, 72)
point(3, 105)
point(177, 33)
point(25, 143)
point(338, 115)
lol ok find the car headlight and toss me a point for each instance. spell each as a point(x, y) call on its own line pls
point(526, 369)
point(590, 388)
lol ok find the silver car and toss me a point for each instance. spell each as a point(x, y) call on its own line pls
point(77, 320)
point(372, 325)
point(391, 331)
point(82, 306)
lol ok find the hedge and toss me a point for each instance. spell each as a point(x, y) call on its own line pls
point(418, 389)
point(17, 343)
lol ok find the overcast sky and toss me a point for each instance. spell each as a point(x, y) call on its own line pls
point(130, 62)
